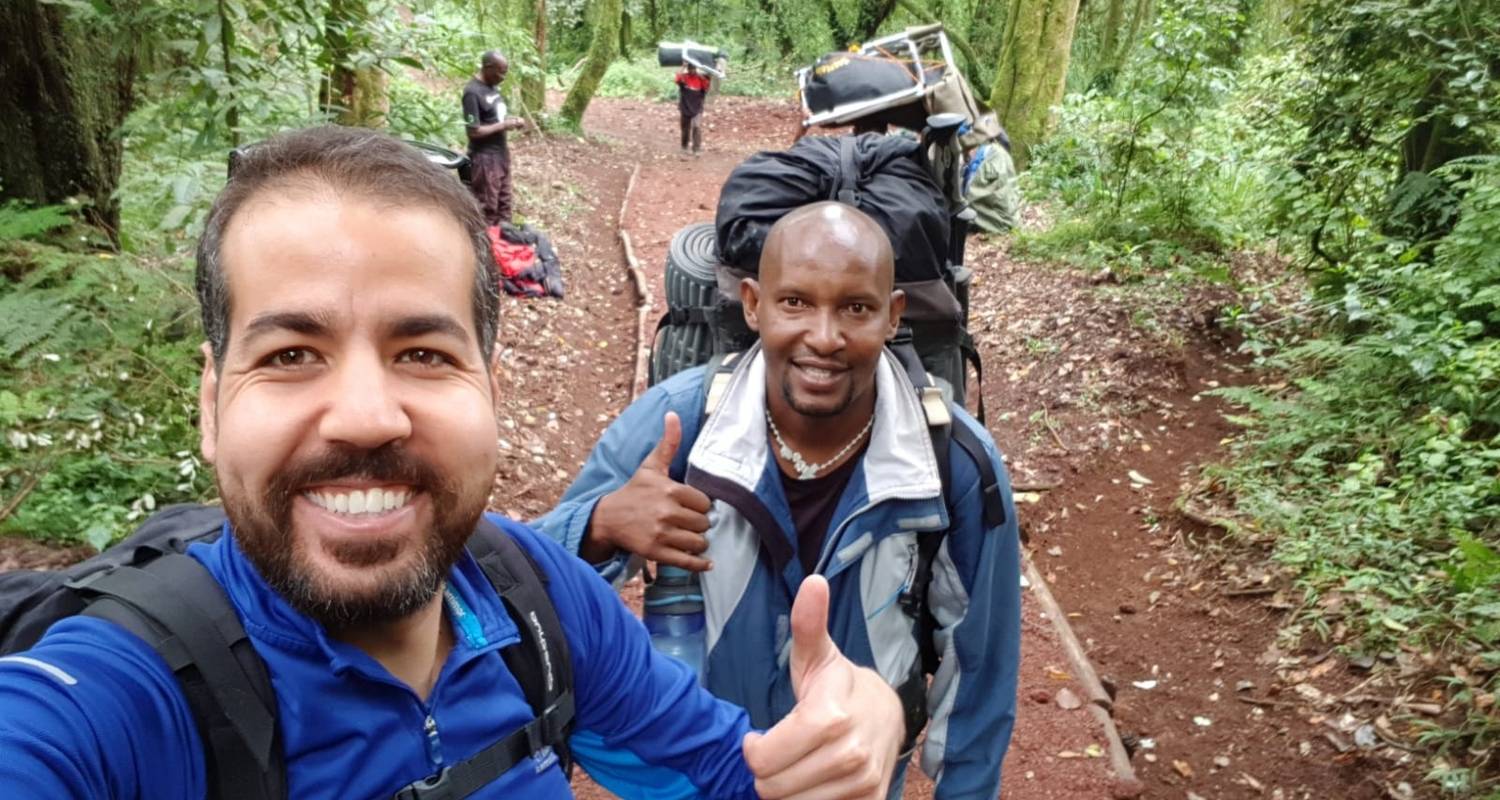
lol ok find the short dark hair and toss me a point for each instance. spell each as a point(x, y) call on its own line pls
point(357, 161)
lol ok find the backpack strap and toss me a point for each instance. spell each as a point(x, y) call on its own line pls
point(944, 433)
point(970, 353)
point(174, 604)
point(846, 188)
point(540, 663)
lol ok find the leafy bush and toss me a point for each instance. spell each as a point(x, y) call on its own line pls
point(638, 77)
point(1379, 477)
point(98, 360)
point(1362, 137)
point(1163, 167)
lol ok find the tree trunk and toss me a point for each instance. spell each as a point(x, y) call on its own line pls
point(1138, 20)
point(232, 84)
point(354, 96)
point(871, 16)
point(1113, 19)
point(625, 32)
point(601, 54)
point(533, 84)
point(63, 94)
point(370, 102)
point(1033, 67)
point(651, 10)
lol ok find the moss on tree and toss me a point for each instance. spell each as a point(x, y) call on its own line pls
point(1033, 68)
point(602, 48)
point(64, 91)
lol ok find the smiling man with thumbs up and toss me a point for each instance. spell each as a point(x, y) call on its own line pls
point(825, 453)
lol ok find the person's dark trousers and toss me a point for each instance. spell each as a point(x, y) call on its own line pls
point(491, 184)
point(692, 129)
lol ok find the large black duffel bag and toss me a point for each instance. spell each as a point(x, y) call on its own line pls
point(882, 177)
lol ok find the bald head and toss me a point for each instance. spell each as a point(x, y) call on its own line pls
point(824, 305)
point(492, 67)
point(813, 233)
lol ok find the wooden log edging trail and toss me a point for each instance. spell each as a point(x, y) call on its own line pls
point(643, 300)
point(1100, 704)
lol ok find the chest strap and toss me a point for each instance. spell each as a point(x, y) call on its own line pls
point(540, 662)
point(481, 769)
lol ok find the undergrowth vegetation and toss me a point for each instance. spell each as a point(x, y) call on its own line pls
point(1362, 139)
point(99, 362)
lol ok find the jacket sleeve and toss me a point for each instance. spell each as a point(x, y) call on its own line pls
point(635, 700)
point(93, 712)
point(975, 598)
point(619, 452)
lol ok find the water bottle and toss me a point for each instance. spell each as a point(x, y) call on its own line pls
point(674, 616)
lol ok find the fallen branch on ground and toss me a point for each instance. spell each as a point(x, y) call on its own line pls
point(642, 294)
point(1100, 704)
point(15, 502)
point(1256, 701)
point(1254, 591)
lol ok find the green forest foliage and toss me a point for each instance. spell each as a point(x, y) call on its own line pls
point(1362, 138)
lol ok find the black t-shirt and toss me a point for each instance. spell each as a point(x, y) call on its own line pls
point(813, 502)
point(483, 105)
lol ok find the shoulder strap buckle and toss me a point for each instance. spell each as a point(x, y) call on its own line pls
point(935, 407)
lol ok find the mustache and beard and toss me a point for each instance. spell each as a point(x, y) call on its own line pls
point(795, 403)
point(263, 531)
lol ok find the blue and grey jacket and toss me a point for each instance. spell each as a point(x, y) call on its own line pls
point(894, 496)
point(93, 712)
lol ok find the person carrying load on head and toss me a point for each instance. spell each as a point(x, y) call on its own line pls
point(692, 88)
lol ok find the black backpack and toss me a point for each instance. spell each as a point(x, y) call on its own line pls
point(147, 585)
point(944, 434)
point(884, 176)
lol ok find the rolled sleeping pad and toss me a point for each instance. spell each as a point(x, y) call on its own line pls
point(675, 54)
point(692, 282)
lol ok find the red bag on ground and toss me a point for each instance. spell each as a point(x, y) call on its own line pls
point(522, 272)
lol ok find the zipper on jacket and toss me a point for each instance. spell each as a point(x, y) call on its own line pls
point(434, 745)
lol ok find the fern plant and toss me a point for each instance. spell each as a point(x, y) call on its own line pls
point(29, 318)
point(18, 221)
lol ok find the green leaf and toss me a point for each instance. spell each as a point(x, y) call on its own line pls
point(174, 218)
point(99, 536)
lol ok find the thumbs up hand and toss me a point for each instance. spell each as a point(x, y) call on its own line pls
point(652, 515)
point(843, 737)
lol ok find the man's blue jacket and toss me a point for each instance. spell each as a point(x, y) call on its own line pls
point(93, 712)
point(893, 496)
